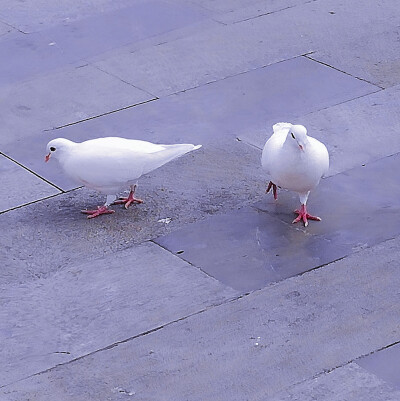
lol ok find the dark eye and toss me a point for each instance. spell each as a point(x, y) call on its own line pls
point(291, 133)
point(52, 148)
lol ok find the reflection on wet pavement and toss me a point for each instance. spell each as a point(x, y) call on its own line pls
point(253, 246)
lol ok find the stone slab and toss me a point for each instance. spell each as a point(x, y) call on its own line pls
point(22, 186)
point(78, 93)
point(253, 43)
point(219, 53)
point(70, 42)
point(355, 132)
point(224, 5)
point(384, 364)
point(40, 14)
point(256, 10)
point(91, 306)
point(213, 114)
point(347, 383)
point(252, 348)
point(247, 249)
point(374, 58)
point(205, 186)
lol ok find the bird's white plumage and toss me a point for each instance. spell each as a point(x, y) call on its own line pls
point(111, 164)
point(293, 160)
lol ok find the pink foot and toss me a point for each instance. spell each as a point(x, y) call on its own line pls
point(274, 189)
point(129, 200)
point(100, 210)
point(303, 215)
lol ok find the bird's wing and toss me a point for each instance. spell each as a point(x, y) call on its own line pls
point(105, 167)
point(281, 127)
point(115, 162)
point(134, 145)
point(271, 151)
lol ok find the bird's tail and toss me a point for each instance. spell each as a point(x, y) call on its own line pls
point(170, 152)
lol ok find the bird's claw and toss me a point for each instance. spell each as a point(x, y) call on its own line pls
point(100, 210)
point(304, 216)
point(127, 201)
point(274, 189)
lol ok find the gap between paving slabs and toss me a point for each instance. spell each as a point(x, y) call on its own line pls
point(304, 326)
point(256, 245)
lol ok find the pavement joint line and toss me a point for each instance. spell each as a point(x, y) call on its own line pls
point(39, 200)
point(273, 12)
point(31, 171)
point(14, 27)
point(224, 302)
point(100, 115)
point(182, 258)
point(122, 80)
point(117, 343)
point(342, 365)
point(239, 73)
point(342, 71)
point(28, 203)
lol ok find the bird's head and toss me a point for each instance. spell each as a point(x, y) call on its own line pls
point(57, 147)
point(298, 136)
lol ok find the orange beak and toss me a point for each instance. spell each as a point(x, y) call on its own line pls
point(47, 157)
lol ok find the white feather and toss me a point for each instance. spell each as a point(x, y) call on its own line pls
point(111, 164)
point(288, 165)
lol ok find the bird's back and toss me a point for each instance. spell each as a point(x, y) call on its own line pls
point(109, 164)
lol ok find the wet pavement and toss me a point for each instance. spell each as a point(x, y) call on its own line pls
point(206, 290)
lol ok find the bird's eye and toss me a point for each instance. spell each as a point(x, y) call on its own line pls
point(52, 148)
point(293, 135)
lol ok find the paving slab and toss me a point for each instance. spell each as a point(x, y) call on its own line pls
point(368, 58)
point(224, 5)
point(38, 15)
point(347, 383)
point(247, 249)
point(219, 53)
point(205, 186)
point(91, 306)
point(48, 50)
point(253, 43)
point(256, 10)
point(22, 186)
point(355, 132)
point(77, 93)
point(384, 364)
point(251, 348)
point(213, 114)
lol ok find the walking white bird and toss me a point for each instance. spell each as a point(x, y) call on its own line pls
point(296, 162)
point(108, 165)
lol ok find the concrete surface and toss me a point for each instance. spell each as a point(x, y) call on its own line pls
point(205, 291)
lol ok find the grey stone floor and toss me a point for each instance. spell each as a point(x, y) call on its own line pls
point(205, 291)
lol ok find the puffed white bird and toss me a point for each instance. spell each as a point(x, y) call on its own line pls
point(295, 161)
point(108, 165)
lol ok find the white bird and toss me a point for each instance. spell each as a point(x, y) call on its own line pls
point(295, 162)
point(108, 165)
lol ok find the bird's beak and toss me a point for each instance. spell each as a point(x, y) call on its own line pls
point(47, 157)
point(301, 147)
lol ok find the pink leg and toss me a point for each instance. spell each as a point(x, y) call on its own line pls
point(303, 215)
point(274, 189)
point(100, 210)
point(130, 199)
